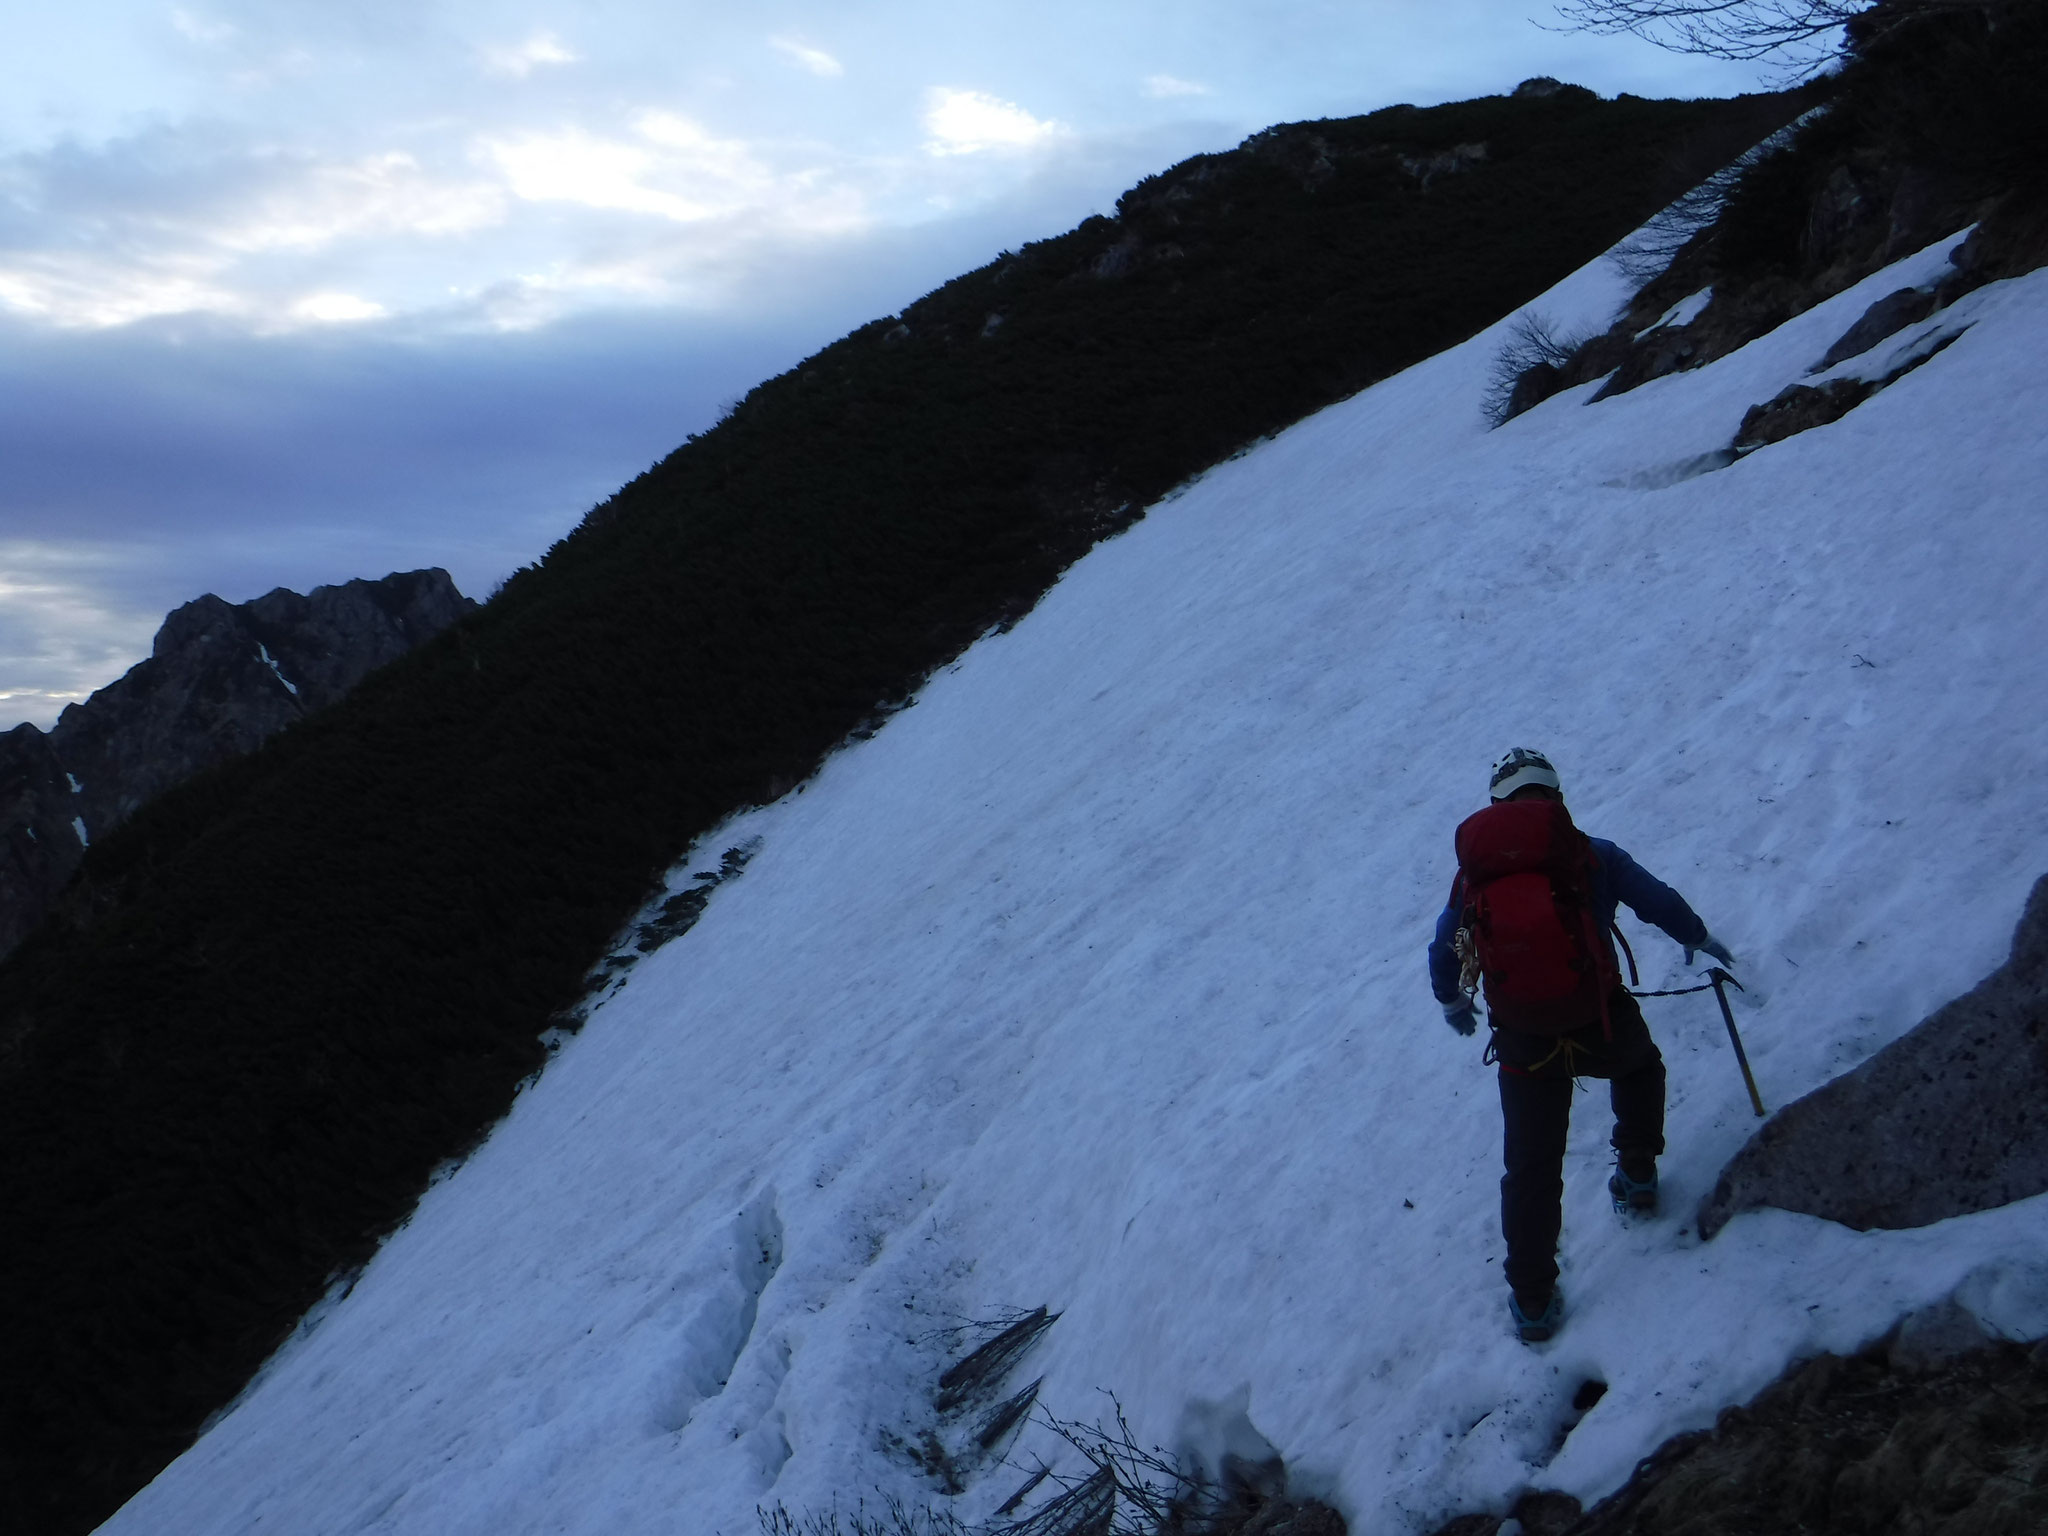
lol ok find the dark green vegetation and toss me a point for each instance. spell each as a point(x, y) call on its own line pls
point(278, 998)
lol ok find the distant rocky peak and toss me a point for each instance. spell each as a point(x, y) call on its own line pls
point(196, 623)
point(220, 680)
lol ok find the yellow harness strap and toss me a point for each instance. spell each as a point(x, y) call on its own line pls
point(1566, 1046)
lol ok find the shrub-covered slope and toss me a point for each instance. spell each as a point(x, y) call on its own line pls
point(275, 1001)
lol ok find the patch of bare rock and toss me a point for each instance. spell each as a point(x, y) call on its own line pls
point(1798, 409)
point(1912, 1437)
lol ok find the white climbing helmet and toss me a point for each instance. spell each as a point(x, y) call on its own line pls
point(1520, 768)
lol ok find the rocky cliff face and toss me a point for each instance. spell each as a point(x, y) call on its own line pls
point(221, 679)
point(43, 841)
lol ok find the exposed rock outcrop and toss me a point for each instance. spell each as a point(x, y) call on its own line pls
point(1893, 1440)
point(40, 841)
point(1850, 234)
point(1887, 317)
point(220, 680)
point(1799, 408)
point(1952, 1117)
point(1459, 157)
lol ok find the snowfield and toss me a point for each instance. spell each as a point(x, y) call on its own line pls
point(1095, 980)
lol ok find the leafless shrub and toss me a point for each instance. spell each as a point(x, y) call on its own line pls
point(1645, 255)
point(1085, 1507)
point(1800, 31)
point(1533, 341)
point(1129, 1490)
point(1802, 37)
point(1135, 1491)
point(977, 1377)
point(896, 1519)
point(1117, 1487)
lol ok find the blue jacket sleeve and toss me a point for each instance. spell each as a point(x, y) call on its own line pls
point(1646, 896)
point(1443, 959)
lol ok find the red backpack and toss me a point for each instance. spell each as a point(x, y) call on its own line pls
point(1526, 877)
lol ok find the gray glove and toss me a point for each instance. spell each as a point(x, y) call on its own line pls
point(1711, 946)
point(1459, 1016)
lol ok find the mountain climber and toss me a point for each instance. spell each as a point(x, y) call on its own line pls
point(1530, 912)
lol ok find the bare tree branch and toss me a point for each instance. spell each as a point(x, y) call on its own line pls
point(1532, 341)
point(1645, 254)
point(1744, 30)
point(1800, 33)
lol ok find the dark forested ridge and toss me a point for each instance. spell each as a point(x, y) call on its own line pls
point(284, 993)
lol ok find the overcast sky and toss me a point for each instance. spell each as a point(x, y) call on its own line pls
point(293, 291)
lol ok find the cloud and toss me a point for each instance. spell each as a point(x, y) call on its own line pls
point(726, 191)
point(1165, 87)
point(970, 122)
point(815, 60)
point(576, 166)
point(338, 308)
point(200, 29)
point(89, 290)
point(64, 629)
point(513, 228)
point(522, 59)
point(493, 211)
point(744, 260)
point(671, 169)
point(170, 223)
point(321, 203)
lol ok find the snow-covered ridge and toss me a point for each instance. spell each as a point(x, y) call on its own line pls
point(1095, 980)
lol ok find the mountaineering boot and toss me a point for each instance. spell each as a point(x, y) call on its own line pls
point(1634, 1185)
point(1536, 1318)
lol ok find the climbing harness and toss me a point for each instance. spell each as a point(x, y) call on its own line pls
point(1566, 1047)
point(1468, 963)
point(1717, 982)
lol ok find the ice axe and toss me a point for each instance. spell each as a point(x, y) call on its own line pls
point(1722, 980)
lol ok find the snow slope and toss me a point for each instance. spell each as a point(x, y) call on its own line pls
point(1095, 980)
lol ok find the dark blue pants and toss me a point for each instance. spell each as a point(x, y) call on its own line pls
point(1537, 1073)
